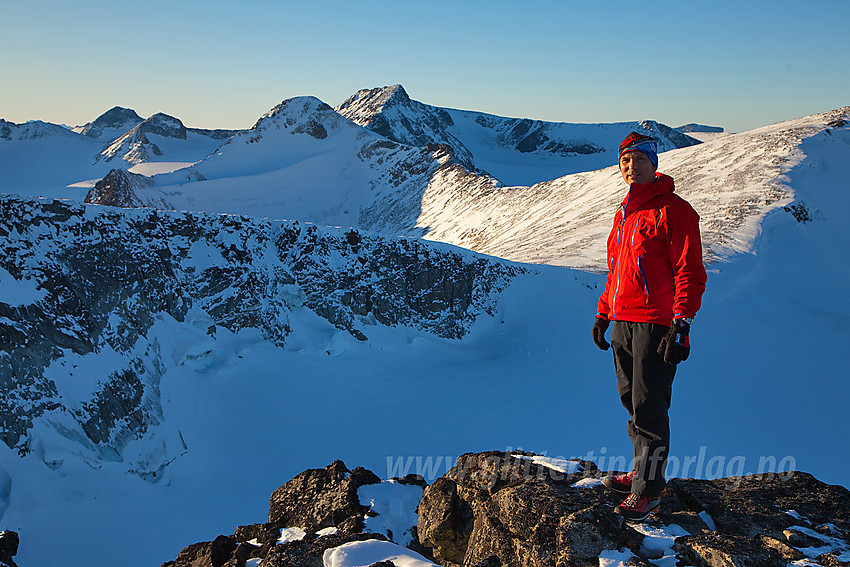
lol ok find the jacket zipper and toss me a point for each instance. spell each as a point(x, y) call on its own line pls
point(620, 240)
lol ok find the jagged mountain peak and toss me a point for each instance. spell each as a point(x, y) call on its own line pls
point(163, 125)
point(390, 112)
point(492, 143)
point(294, 110)
point(367, 102)
point(135, 146)
point(116, 118)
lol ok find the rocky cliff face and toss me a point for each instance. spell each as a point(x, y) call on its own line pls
point(502, 509)
point(80, 281)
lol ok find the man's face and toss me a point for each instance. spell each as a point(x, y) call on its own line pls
point(636, 167)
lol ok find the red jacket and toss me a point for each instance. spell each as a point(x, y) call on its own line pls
point(655, 270)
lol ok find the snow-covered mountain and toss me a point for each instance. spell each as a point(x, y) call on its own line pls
point(43, 159)
point(516, 151)
point(302, 160)
point(390, 112)
point(702, 132)
point(111, 124)
point(732, 182)
point(163, 137)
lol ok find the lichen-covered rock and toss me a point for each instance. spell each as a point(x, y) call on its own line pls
point(727, 550)
point(310, 553)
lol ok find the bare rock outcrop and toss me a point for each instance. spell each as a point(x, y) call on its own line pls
point(498, 509)
point(513, 509)
point(322, 498)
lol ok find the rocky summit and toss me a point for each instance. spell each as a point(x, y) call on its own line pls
point(519, 509)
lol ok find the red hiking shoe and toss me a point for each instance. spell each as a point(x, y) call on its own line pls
point(636, 508)
point(621, 483)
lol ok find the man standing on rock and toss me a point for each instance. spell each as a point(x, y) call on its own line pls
point(654, 288)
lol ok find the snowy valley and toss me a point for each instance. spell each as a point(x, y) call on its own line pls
point(387, 283)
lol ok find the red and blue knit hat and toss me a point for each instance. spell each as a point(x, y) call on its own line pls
point(635, 142)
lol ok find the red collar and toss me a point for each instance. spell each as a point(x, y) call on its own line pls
point(640, 194)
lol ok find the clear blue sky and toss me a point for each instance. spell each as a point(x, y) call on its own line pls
point(222, 64)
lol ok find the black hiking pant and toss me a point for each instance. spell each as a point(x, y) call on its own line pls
point(645, 384)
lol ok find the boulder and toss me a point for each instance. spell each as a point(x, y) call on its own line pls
point(726, 550)
point(313, 500)
point(206, 554)
point(518, 509)
point(514, 509)
point(322, 498)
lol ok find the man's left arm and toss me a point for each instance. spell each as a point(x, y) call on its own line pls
point(684, 247)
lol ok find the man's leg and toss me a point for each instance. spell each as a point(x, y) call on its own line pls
point(644, 382)
point(621, 346)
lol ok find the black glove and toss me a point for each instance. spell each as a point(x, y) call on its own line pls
point(675, 345)
point(599, 329)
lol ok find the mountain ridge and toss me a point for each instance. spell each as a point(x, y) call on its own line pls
point(138, 150)
point(733, 182)
point(473, 136)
